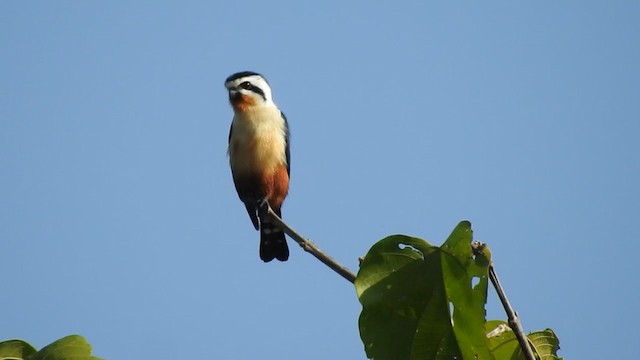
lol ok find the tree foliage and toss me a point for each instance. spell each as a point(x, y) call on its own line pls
point(420, 301)
point(72, 347)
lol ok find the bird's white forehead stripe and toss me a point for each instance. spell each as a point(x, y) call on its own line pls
point(256, 80)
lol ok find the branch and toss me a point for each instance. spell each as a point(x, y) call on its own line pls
point(309, 246)
point(513, 318)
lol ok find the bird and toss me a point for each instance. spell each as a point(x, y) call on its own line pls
point(259, 157)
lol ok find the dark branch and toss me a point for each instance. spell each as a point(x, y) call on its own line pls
point(309, 246)
point(512, 315)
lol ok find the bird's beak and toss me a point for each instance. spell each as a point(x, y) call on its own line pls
point(234, 95)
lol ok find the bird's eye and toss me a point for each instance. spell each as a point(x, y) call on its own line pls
point(245, 85)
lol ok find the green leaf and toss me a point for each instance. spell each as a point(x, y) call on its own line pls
point(504, 344)
point(72, 347)
point(15, 349)
point(545, 343)
point(466, 278)
point(407, 287)
point(502, 341)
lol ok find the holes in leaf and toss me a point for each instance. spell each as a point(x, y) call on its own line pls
point(402, 246)
point(451, 310)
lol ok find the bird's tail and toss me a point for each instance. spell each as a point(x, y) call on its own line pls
point(273, 245)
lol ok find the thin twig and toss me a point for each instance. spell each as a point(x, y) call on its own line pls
point(512, 315)
point(310, 247)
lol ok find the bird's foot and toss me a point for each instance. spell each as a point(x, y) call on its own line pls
point(263, 208)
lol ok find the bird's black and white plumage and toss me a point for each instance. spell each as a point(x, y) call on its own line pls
point(259, 156)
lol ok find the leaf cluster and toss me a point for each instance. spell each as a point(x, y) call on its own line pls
point(420, 301)
point(72, 347)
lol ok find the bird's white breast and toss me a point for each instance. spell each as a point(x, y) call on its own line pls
point(258, 141)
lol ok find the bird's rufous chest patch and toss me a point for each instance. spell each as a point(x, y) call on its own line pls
point(241, 102)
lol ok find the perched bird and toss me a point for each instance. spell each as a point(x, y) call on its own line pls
point(259, 156)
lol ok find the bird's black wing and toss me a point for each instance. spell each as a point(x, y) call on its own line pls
point(286, 149)
point(251, 208)
point(253, 215)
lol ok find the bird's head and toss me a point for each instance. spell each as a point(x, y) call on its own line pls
point(248, 90)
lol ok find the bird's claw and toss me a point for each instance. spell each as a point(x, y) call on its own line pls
point(263, 207)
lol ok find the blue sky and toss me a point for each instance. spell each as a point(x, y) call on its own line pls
point(119, 220)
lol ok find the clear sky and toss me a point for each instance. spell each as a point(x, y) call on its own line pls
point(119, 220)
